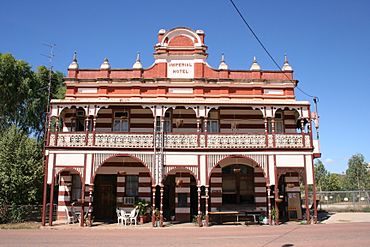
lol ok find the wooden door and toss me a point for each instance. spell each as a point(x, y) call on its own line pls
point(105, 197)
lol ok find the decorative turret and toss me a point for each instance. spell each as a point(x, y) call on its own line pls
point(74, 64)
point(137, 64)
point(105, 64)
point(286, 65)
point(223, 65)
point(255, 66)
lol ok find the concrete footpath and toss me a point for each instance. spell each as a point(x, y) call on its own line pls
point(352, 217)
point(326, 218)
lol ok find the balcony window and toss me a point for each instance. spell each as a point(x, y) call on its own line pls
point(213, 126)
point(78, 123)
point(132, 185)
point(120, 121)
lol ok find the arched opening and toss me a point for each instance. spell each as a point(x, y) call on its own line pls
point(180, 196)
point(73, 120)
point(238, 184)
point(118, 183)
point(68, 192)
point(124, 119)
point(235, 120)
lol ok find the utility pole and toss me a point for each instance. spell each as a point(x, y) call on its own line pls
point(50, 57)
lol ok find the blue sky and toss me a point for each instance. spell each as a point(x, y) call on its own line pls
point(327, 43)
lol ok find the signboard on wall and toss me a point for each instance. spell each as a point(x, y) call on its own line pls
point(180, 69)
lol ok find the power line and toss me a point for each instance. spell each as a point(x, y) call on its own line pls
point(267, 52)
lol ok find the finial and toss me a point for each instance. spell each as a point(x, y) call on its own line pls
point(255, 66)
point(286, 65)
point(74, 64)
point(105, 64)
point(137, 64)
point(223, 65)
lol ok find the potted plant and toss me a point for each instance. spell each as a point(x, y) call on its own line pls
point(142, 206)
point(157, 216)
point(273, 215)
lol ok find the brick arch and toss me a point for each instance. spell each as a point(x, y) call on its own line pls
point(181, 40)
point(144, 159)
point(181, 32)
point(256, 160)
point(79, 171)
point(193, 170)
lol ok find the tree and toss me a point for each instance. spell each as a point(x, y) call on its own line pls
point(24, 94)
point(321, 175)
point(20, 171)
point(334, 182)
point(357, 177)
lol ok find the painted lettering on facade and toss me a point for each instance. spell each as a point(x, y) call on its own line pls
point(180, 69)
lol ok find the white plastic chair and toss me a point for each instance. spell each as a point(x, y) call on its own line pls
point(133, 216)
point(122, 216)
point(71, 217)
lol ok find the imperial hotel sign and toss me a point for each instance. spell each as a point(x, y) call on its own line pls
point(189, 139)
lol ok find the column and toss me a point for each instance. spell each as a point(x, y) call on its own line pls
point(82, 215)
point(302, 132)
point(266, 131)
point(161, 206)
point(153, 205)
point(94, 130)
point(199, 218)
point(273, 132)
point(90, 205)
point(269, 204)
point(306, 198)
point(51, 199)
point(207, 216)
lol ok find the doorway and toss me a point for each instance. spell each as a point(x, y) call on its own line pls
point(104, 204)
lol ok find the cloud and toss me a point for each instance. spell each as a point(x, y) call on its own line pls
point(328, 161)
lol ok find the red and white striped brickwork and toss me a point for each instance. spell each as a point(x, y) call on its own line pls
point(182, 186)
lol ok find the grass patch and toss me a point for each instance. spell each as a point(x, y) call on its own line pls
point(24, 225)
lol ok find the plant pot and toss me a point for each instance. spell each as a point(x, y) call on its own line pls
point(142, 219)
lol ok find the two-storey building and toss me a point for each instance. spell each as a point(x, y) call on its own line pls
point(188, 138)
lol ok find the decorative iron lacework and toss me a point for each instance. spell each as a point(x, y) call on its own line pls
point(236, 141)
point(260, 159)
point(288, 141)
point(52, 140)
point(180, 141)
point(71, 140)
point(124, 140)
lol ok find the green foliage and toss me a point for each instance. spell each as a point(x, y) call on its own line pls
point(20, 172)
point(321, 175)
point(143, 206)
point(24, 94)
point(357, 176)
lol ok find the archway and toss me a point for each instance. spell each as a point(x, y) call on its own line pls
point(68, 191)
point(238, 183)
point(118, 183)
point(180, 196)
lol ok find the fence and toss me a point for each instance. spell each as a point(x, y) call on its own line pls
point(20, 213)
point(343, 200)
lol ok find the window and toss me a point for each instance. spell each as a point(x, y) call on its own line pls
point(76, 187)
point(213, 126)
point(120, 121)
point(132, 185)
point(279, 122)
point(79, 122)
point(182, 200)
point(167, 125)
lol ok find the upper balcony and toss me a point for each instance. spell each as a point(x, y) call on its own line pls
point(181, 141)
point(179, 128)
